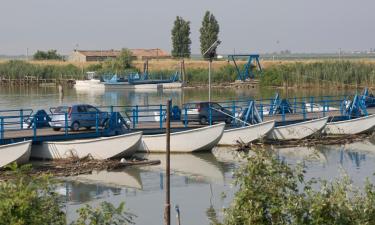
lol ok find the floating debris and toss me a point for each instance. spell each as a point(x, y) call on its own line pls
point(75, 166)
point(313, 141)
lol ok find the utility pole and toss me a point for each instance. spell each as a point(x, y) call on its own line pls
point(210, 53)
point(167, 210)
point(209, 80)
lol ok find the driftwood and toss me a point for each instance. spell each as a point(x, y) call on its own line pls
point(312, 141)
point(75, 166)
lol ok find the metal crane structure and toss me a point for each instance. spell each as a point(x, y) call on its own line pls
point(246, 72)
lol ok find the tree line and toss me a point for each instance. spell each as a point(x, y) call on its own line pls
point(181, 42)
point(47, 55)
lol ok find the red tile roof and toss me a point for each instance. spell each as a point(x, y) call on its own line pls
point(107, 53)
point(156, 52)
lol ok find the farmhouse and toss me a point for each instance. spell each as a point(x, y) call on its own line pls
point(101, 55)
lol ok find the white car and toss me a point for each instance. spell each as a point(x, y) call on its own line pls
point(318, 108)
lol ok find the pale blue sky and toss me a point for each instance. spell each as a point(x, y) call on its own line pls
point(246, 25)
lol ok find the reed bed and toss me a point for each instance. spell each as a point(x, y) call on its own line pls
point(287, 73)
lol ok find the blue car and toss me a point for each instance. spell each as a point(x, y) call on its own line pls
point(78, 116)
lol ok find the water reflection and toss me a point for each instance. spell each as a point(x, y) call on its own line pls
point(199, 167)
point(355, 159)
point(130, 177)
point(301, 154)
point(198, 180)
point(187, 169)
point(45, 97)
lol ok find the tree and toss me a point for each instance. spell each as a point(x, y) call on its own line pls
point(181, 38)
point(209, 31)
point(50, 54)
point(124, 60)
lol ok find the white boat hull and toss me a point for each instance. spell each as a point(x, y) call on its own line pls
point(297, 131)
point(246, 134)
point(99, 148)
point(88, 84)
point(17, 152)
point(353, 126)
point(125, 85)
point(156, 86)
point(194, 140)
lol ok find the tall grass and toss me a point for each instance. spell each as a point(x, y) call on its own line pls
point(325, 73)
point(16, 69)
point(292, 74)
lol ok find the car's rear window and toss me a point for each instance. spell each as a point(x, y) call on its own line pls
point(62, 109)
point(191, 105)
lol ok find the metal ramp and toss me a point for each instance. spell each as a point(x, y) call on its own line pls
point(246, 73)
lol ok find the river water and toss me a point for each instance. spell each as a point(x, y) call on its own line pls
point(199, 181)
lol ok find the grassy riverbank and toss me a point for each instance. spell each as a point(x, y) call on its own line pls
point(16, 69)
point(291, 73)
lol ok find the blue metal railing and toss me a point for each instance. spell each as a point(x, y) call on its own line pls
point(15, 119)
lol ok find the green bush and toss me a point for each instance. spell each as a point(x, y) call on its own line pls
point(272, 192)
point(48, 55)
point(107, 214)
point(32, 200)
point(29, 200)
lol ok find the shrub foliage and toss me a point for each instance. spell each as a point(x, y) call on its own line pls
point(272, 192)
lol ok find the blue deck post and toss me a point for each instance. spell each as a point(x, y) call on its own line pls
point(324, 108)
point(161, 115)
point(271, 106)
point(303, 105)
point(233, 108)
point(2, 128)
point(133, 115)
point(21, 118)
point(283, 113)
point(97, 123)
point(312, 103)
point(111, 109)
point(136, 113)
point(295, 104)
point(341, 105)
point(210, 113)
point(185, 117)
point(66, 124)
point(34, 128)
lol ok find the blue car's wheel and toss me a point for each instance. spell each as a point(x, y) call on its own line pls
point(75, 126)
point(203, 120)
